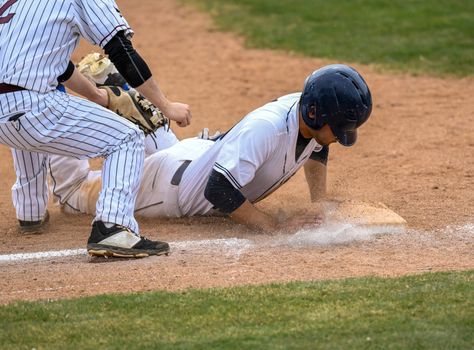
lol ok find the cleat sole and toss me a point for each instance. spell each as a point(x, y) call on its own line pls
point(97, 250)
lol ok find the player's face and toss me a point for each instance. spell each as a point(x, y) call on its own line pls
point(323, 136)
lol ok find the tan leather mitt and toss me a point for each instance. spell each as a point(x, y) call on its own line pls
point(136, 108)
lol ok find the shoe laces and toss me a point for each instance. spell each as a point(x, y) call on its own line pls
point(129, 230)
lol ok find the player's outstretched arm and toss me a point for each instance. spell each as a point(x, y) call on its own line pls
point(315, 173)
point(221, 193)
point(250, 216)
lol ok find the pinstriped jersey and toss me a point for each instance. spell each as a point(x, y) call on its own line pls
point(37, 37)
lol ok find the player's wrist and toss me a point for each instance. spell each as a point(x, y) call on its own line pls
point(173, 111)
point(102, 98)
point(269, 224)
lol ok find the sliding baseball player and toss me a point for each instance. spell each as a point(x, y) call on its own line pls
point(243, 166)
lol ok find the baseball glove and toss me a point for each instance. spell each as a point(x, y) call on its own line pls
point(136, 108)
point(124, 101)
point(100, 70)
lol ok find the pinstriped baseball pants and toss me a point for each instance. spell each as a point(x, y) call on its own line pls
point(35, 125)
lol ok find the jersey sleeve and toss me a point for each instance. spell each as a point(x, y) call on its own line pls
point(245, 151)
point(99, 20)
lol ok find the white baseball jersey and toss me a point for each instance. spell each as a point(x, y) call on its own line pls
point(37, 38)
point(257, 156)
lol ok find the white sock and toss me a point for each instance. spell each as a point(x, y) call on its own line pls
point(109, 224)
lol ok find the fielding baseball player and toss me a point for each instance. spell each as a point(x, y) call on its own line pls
point(37, 38)
point(244, 165)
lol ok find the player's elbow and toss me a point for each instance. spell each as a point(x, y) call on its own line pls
point(210, 193)
point(221, 194)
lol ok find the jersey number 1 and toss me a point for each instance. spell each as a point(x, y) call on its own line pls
point(8, 17)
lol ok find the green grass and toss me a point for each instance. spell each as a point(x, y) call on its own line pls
point(419, 36)
point(429, 311)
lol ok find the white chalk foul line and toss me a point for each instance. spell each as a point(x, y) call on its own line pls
point(41, 255)
point(229, 246)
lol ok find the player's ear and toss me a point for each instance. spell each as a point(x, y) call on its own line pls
point(312, 112)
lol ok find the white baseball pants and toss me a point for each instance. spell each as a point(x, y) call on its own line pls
point(36, 125)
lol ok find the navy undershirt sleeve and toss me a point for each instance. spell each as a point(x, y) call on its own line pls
point(127, 61)
point(321, 156)
point(220, 192)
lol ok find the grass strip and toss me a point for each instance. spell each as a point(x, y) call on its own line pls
point(419, 36)
point(428, 311)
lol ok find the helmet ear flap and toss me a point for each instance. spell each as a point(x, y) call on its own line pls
point(318, 119)
point(312, 118)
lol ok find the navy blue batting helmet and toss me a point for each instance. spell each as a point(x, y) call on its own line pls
point(336, 95)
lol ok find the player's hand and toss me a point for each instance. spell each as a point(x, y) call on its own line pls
point(179, 112)
point(299, 222)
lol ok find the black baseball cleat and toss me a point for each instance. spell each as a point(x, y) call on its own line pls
point(34, 227)
point(119, 241)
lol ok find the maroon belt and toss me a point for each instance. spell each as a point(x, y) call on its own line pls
point(5, 88)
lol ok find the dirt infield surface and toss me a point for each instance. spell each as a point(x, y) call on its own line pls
point(416, 154)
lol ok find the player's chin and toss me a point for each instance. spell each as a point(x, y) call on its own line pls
point(327, 143)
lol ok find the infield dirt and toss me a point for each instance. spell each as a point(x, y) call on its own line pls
point(416, 155)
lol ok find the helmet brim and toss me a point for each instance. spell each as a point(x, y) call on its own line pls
point(346, 138)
